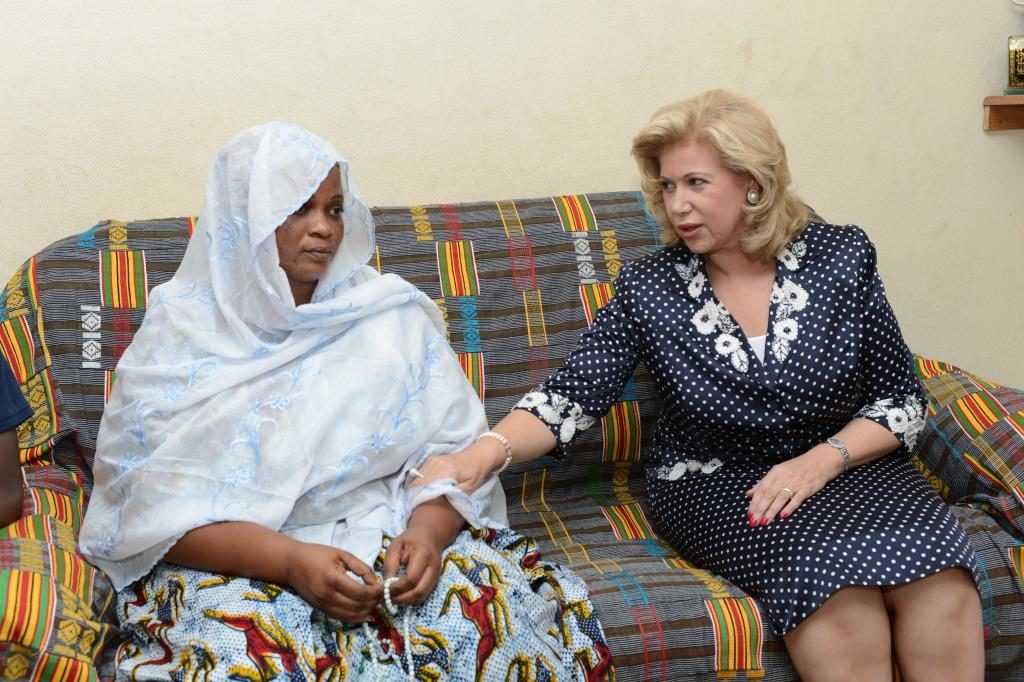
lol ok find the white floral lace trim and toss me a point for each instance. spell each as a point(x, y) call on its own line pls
point(905, 421)
point(690, 465)
point(791, 255)
point(789, 298)
point(557, 411)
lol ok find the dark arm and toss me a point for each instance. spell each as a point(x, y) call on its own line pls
point(10, 479)
point(438, 520)
point(236, 548)
point(320, 574)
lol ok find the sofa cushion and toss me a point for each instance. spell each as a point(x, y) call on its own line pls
point(68, 313)
point(518, 281)
point(56, 610)
point(973, 448)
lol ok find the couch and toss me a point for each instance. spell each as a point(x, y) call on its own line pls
point(517, 281)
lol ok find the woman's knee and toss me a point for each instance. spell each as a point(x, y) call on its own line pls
point(951, 592)
point(847, 638)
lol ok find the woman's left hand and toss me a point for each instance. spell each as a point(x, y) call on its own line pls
point(418, 550)
point(785, 487)
point(470, 468)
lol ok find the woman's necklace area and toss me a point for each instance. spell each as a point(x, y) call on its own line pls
point(378, 654)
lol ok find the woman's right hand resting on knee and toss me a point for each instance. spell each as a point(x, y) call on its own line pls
point(320, 574)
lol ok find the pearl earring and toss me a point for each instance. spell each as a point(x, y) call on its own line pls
point(753, 196)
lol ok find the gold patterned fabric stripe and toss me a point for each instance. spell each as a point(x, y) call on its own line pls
point(45, 420)
point(926, 369)
point(109, 377)
point(977, 412)
point(421, 223)
point(18, 347)
point(58, 505)
point(510, 218)
point(737, 627)
point(595, 296)
point(117, 235)
point(610, 246)
point(536, 329)
point(123, 279)
point(628, 522)
point(473, 365)
point(13, 297)
point(29, 604)
point(1017, 561)
point(575, 213)
point(456, 269)
point(621, 428)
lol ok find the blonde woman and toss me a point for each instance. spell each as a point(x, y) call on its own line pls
point(789, 406)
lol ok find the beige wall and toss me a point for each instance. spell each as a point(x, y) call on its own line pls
point(113, 108)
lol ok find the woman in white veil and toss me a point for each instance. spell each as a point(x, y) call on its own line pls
point(250, 502)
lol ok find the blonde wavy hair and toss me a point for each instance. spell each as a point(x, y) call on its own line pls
point(747, 143)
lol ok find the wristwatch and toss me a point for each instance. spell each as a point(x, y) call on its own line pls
point(841, 447)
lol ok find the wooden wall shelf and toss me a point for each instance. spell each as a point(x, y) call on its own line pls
point(1004, 112)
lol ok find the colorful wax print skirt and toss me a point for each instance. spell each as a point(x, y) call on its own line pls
point(499, 612)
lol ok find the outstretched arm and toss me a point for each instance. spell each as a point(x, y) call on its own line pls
point(320, 574)
point(10, 479)
point(528, 438)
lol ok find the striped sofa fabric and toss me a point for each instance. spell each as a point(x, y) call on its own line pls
point(517, 281)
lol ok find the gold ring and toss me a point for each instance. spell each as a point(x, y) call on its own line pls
point(791, 493)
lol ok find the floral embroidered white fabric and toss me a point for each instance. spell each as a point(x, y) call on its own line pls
point(690, 465)
point(788, 299)
point(905, 420)
point(557, 411)
point(220, 407)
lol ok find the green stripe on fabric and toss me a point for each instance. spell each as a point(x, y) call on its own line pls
point(139, 265)
point(595, 480)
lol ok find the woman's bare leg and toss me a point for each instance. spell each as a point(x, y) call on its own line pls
point(937, 629)
point(847, 638)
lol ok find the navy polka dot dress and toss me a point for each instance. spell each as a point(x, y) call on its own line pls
point(833, 352)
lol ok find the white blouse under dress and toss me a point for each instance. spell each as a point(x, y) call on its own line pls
point(833, 352)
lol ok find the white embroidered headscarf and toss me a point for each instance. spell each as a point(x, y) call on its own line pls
point(234, 404)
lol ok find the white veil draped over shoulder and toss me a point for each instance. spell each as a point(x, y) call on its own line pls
point(234, 404)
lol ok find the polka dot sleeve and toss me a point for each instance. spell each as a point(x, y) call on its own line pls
point(593, 376)
point(891, 394)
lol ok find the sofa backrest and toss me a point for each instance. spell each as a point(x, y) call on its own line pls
point(518, 280)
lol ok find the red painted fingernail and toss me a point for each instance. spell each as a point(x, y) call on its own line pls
point(784, 515)
point(765, 521)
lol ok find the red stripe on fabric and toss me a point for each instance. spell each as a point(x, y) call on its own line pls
point(122, 326)
point(454, 266)
point(451, 221)
point(538, 364)
point(738, 622)
point(524, 274)
point(647, 615)
point(572, 205)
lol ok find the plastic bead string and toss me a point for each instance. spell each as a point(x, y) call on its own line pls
point(377, 653)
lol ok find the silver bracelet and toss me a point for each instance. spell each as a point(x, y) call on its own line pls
point(841, 447)
point(504, 441)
